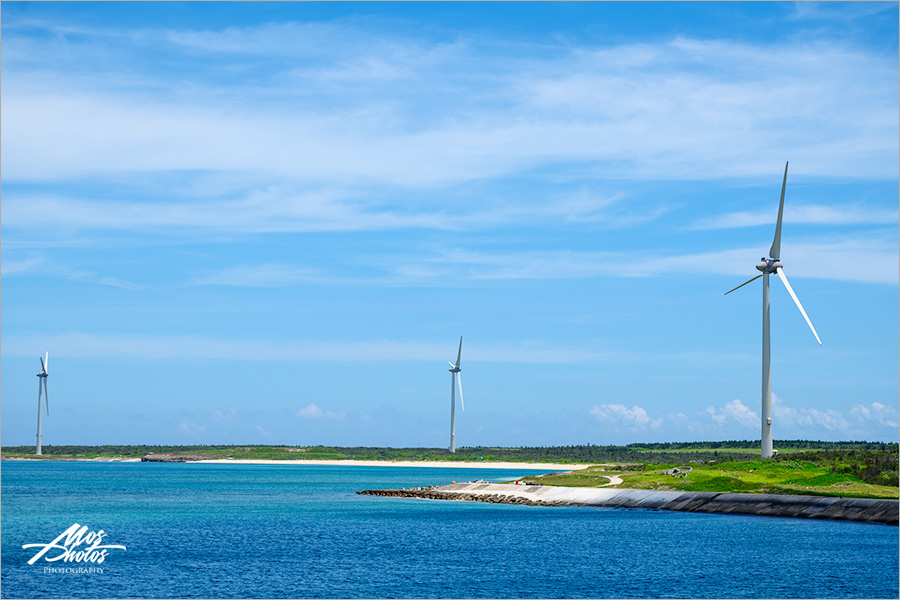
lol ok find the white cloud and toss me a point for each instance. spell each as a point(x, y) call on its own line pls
point(807, 419)
point(635, 418)
point(311, 411)
point(188, 427)
point(875, 413)
point(635, 111)
point(734, 412)
point(734, 420)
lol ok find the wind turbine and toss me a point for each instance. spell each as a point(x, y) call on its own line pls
point(455, 380)
point(42, 388)
point(767, 266)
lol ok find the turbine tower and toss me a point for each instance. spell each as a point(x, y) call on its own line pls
point(767, 266)
point(455, 380)
point(42, 388)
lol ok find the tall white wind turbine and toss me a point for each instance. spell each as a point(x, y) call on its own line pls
point(42, 388)
point(455, 380)
point(767, 266)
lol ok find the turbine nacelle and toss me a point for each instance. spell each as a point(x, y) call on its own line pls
point(45, 364)
point(769, 265)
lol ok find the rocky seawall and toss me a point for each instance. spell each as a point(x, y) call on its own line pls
point(871, 510)
point(180, 458)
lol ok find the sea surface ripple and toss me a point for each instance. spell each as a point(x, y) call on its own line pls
point(263, 531)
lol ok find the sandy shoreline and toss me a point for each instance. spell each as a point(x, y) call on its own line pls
point(403, 463)
point(43, 459)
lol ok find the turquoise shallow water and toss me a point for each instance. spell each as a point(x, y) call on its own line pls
point(260, 531)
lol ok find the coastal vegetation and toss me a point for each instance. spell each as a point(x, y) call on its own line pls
point(667, 452)
point(833, 472)
point(850, 469)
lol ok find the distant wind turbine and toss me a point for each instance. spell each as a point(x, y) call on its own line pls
point(767, 267)
point(455, 380)
point(42, 388)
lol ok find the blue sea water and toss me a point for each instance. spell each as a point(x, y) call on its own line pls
point(263, 531)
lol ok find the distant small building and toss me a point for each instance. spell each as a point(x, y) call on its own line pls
point(683, 471)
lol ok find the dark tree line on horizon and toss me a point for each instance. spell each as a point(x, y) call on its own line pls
point(655, 451)
point(871, 462)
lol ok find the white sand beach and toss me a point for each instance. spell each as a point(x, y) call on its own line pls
point(548, 467)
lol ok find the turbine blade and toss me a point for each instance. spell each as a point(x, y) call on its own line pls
point(46, 396)
point(43, 366)
point(743, 284)
point(459, 382)
point(775, 250)
point(790, 290)
point(47, 363)
point(450, 363)
point(459, 354)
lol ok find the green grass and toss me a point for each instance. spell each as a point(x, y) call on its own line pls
point(751, 476)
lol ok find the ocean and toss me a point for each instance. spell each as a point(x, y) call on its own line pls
point(273, 531)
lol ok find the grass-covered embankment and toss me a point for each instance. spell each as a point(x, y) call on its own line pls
point(847, 473)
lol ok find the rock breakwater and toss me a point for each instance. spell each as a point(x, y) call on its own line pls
point(437, 494)
point(180, 458)
point(872, 510)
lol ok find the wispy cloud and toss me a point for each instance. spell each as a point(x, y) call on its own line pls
point(278, 209)
point(18, 267)
point(176, 347)
point(814, 215)
point(266, 275)
point(264, 432)
point(312, 411)
point(188, 427)
point(39, 265)
point(840, 12)
point(873, 259)
point(632, 111)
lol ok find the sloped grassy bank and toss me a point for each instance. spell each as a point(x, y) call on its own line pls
point(861, 474)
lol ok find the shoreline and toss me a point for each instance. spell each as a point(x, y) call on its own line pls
point(531, 466)
point(99, 459)
point(869, 510)
point(554, 467)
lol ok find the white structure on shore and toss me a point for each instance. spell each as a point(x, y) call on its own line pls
point(42, 388)
point(767, 267)
point(455, 380)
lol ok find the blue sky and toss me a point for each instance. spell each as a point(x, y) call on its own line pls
point(270, 223)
